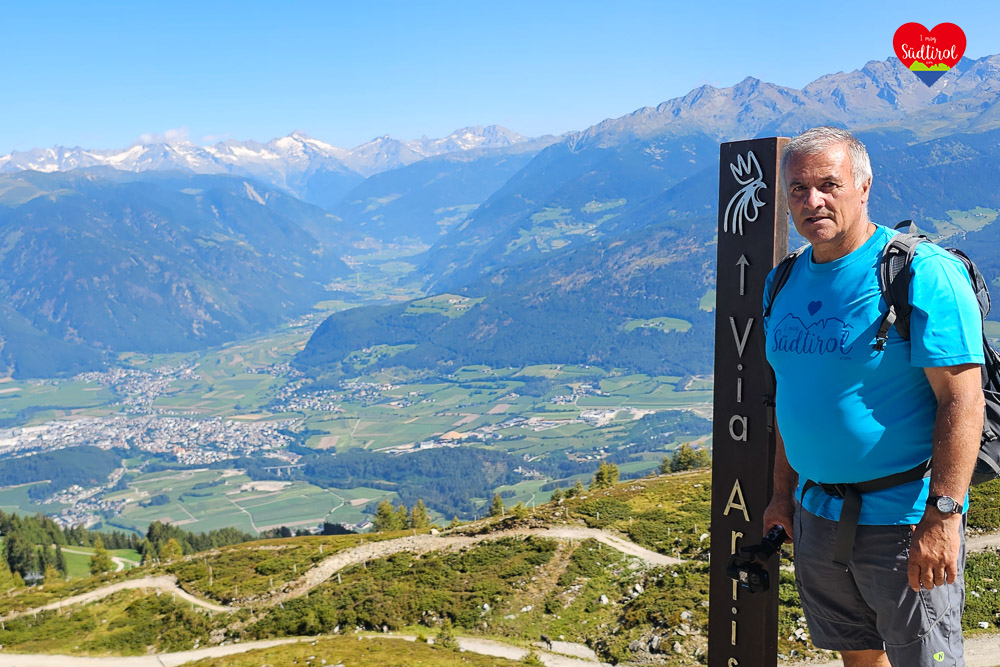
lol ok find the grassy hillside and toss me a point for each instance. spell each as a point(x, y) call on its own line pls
point(498, 582)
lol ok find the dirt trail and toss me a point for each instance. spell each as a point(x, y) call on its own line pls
point(167, 584)
point(980, 651)
point(161, 660)
point(421, 544)
point(983, 542)
point(553, 658)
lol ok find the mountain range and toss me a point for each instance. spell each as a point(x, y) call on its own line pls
point(536, 230)
point(311, 169)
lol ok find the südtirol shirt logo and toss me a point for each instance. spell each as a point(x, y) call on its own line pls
point(823, 336)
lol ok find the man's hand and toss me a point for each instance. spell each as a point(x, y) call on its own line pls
point(780, 511)
point(934, 547)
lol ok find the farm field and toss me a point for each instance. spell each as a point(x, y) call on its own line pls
point(43, 400)
point(16, 499)
point(204, 500)
point(482, 405)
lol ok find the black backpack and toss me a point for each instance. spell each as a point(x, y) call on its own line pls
point(894, 281)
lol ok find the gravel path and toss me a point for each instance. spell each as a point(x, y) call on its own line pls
point(549, 658)
point(421, 544)
point(980, 651)
point(167, 584)
point(161, 660)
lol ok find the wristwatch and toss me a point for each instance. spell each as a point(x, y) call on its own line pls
point(945, 504)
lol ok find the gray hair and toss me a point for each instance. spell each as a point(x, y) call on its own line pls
point(819, 139)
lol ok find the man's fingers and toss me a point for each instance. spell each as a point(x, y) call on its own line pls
point(913, 574)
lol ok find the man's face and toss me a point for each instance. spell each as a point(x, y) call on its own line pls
point(826, 207)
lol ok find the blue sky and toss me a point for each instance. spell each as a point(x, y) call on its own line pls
point(101, 74)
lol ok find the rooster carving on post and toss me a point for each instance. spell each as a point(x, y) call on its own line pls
point(744, 204)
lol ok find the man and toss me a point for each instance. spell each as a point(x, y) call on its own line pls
point(847, 413)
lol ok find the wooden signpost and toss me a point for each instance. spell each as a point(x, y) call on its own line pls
point(753, 237)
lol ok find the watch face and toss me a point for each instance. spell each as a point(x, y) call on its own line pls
point(946, 505)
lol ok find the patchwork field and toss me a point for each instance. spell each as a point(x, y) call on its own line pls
point(204, 500)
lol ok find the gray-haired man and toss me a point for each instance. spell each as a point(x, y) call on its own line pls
point(848, 413)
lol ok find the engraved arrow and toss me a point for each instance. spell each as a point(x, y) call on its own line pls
point(743, 264)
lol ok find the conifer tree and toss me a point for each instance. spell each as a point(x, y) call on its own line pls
point(171, 550)
point(18, 553)
point(605, 477)
point(455, 523)
point(61, 561)
point(52, 577)
point(496, 508)
point(101, 561)
point(557, 494)
point(385, 517)
point(418, 516)
point(666, 465)
point(6, 577)
point(149, 552)
point(688, 458)
point(46, 557)
point(446, 637)
point(399, 522)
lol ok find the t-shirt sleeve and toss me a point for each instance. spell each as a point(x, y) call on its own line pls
point(946, 327)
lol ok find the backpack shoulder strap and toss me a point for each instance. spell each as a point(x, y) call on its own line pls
point(894, 281)
point(781, 273)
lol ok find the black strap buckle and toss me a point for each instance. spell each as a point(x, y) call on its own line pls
point(835, 490)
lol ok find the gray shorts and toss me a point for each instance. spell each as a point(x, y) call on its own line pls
point(870, 606)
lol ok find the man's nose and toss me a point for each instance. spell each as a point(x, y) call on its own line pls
point(814, 198)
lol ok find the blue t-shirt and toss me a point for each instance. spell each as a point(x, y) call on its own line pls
point(846, 412)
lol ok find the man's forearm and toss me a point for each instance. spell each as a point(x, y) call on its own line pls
point(957, 431)
point(936, 542)
point(785, 478)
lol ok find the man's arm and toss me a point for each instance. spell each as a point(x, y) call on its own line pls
point(781, 509)
point(958, 428)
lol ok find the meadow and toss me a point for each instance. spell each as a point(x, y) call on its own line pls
point(204, 500)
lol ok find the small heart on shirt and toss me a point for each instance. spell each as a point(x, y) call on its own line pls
point(814, 307)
